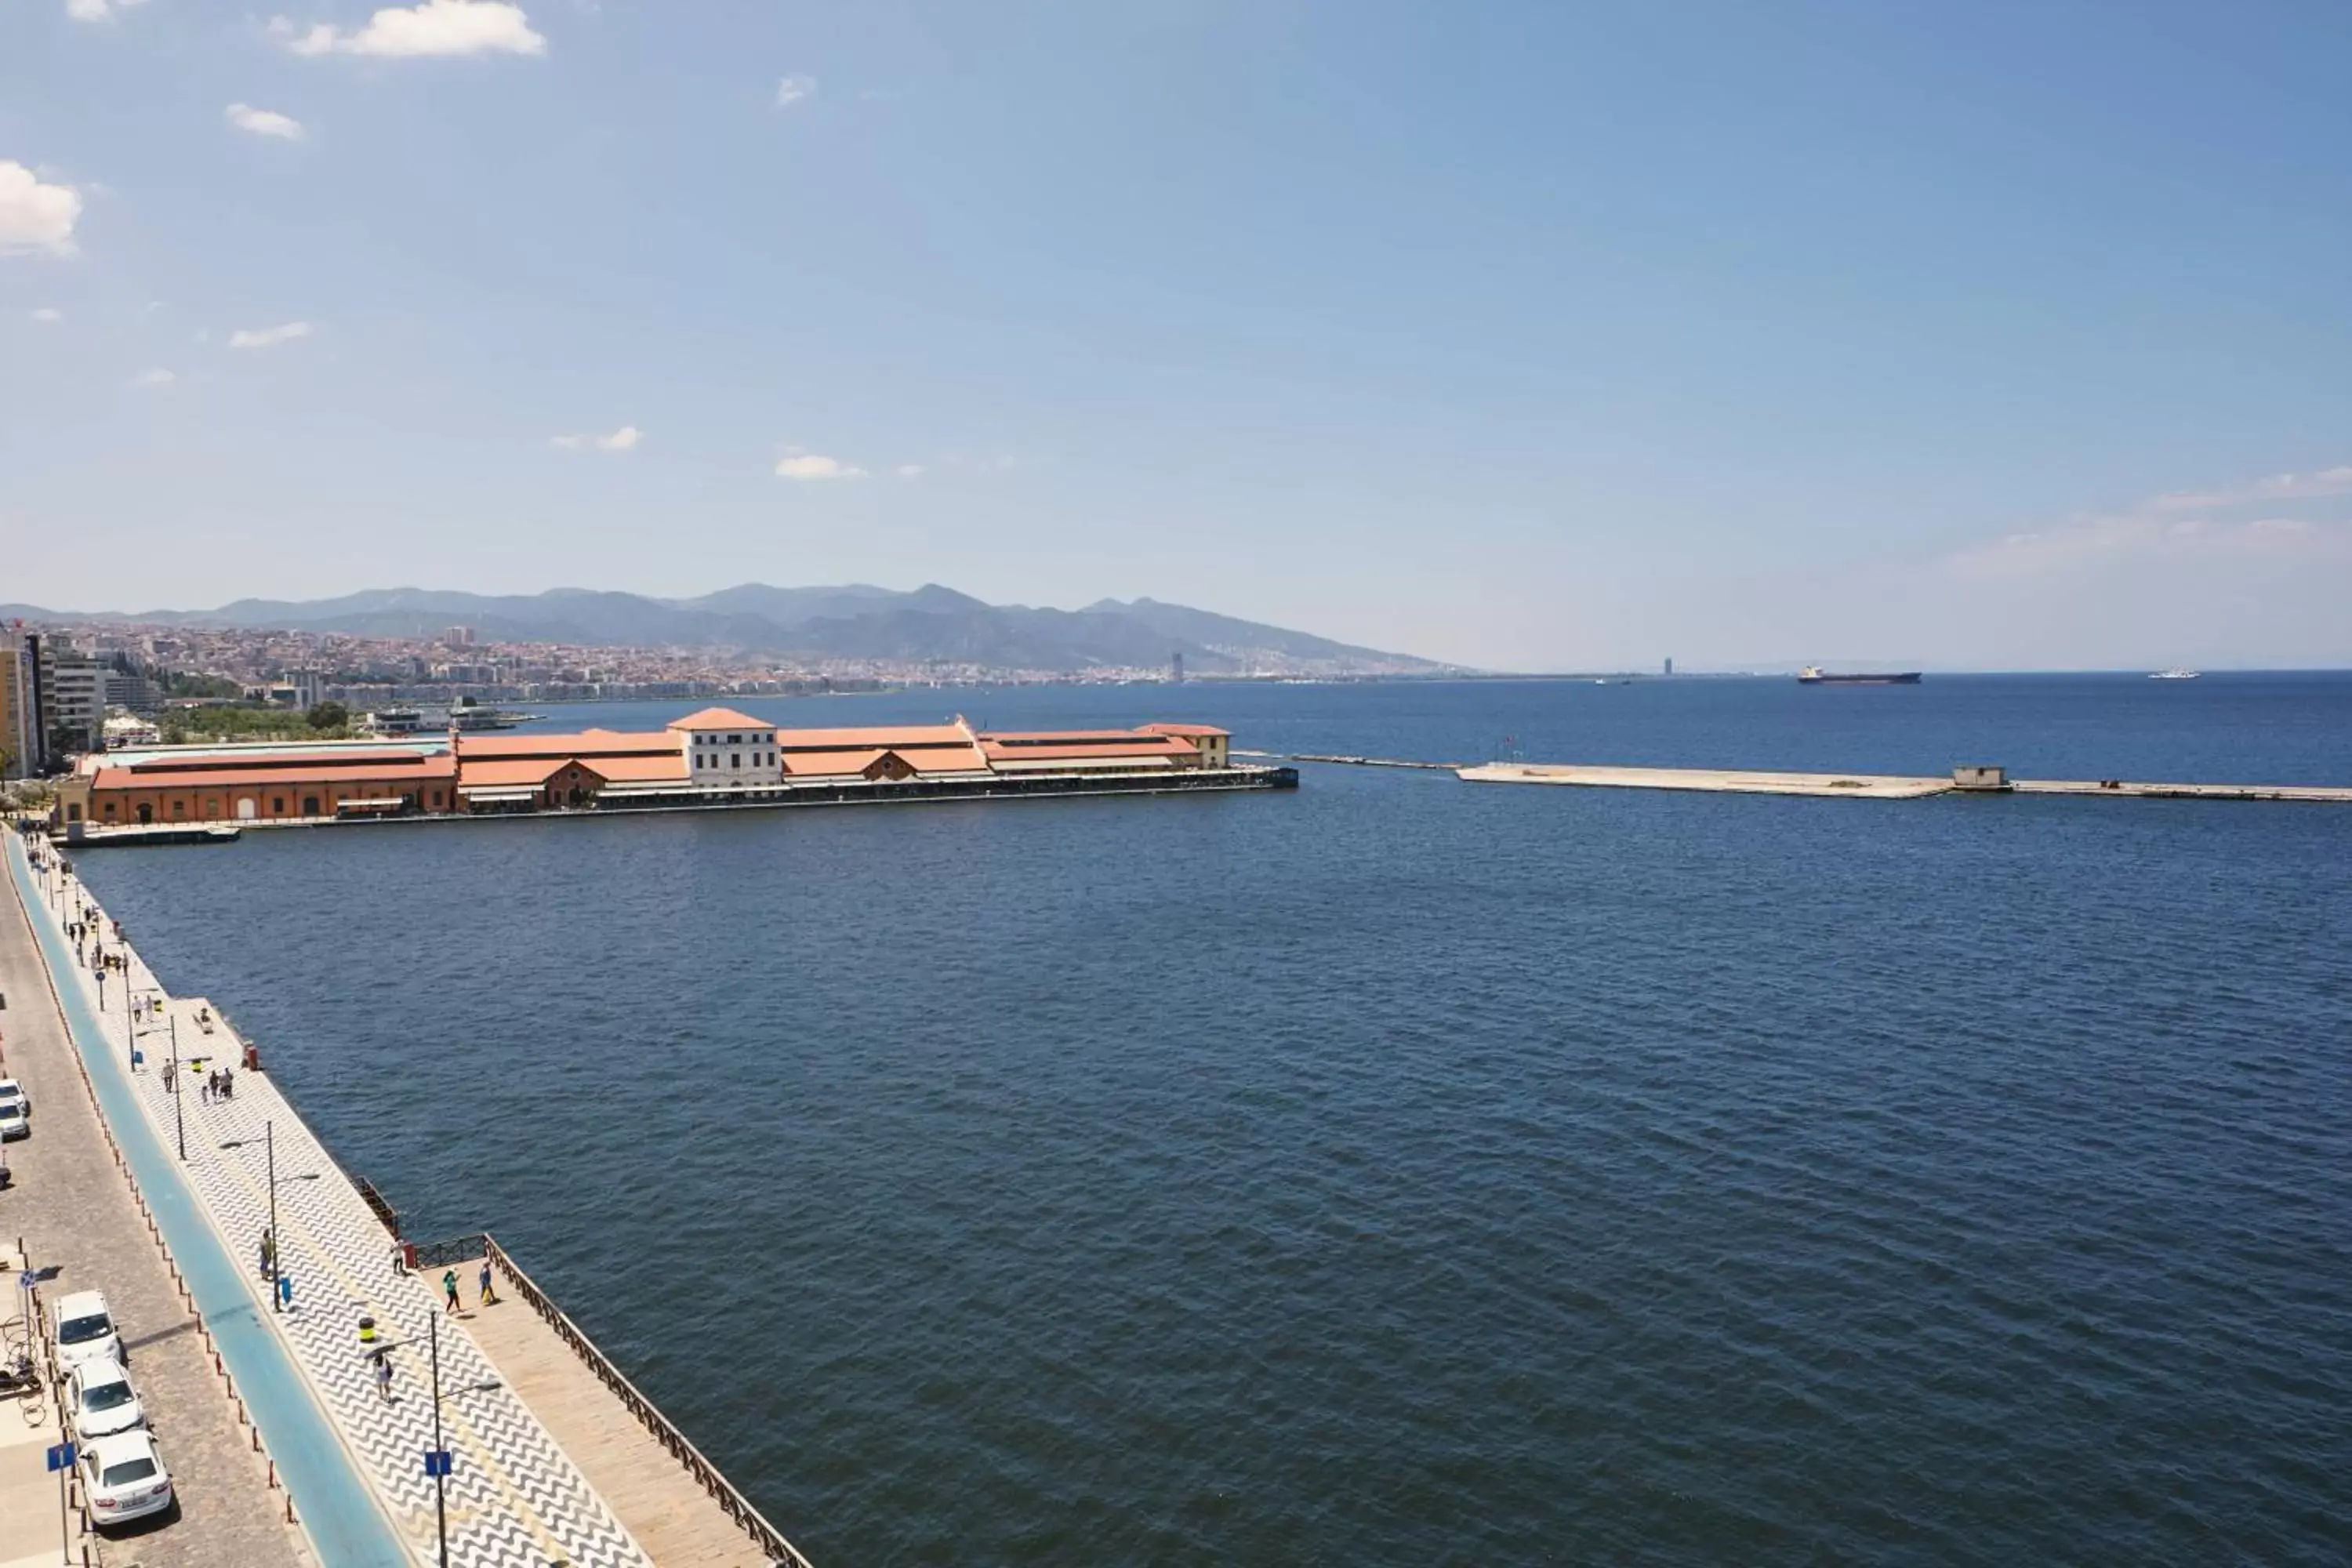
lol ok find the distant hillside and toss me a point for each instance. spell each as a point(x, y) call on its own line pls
point(855, 621)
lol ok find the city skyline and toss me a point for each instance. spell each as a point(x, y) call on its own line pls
point(1518, 340)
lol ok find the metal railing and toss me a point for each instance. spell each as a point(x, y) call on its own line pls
point(424, 1255)
point(378, 1206)
point(722, 1491)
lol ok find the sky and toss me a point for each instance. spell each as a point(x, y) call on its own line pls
point(1527, 336)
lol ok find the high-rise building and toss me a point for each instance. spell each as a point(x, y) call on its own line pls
point(1670, 664)
point(72, 689)
point(1176, 667)
point(20, 711)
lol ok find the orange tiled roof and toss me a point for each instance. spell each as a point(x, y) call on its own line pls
point(829, 765)
point(1187, 729)
point(415, 770)
point(1137, 746)
point(597, 744)
point(720, 718)
point(651, 768)
point(267, 762)
point(895, 737)
point(509, 773)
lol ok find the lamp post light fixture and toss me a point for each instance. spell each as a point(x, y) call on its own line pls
point(269, 1146)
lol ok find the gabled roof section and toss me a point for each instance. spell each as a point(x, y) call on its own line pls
point(1190, 732)
point(720, 718)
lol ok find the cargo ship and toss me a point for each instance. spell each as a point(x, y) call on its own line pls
point(1814, 675)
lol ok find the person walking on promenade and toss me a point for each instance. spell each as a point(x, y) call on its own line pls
point(269, 1253)
point(449, 1288)
point(383, 1374)
point(228, 1084)
point(490, 1292)
point(205, 1090)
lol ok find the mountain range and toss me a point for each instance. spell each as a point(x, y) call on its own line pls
point(931, 624)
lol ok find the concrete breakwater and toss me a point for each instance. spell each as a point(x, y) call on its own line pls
point(1883, 786)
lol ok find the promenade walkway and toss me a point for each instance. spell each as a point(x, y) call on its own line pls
point(515, 1500)
point(73, 1211)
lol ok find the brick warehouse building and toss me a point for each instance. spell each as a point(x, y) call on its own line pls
point(717, 754)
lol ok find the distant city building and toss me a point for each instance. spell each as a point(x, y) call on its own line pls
point(305, 688)
point(135, 693)
point(1670, 664)
point(458, 636)
point(1176, 667)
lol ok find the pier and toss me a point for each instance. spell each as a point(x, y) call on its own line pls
point(556, 1457)
point(1885, 786)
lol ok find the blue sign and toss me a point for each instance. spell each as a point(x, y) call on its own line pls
point(61, 1456)
point(436, 1462)
point(28, 1280)
point(285, 1289)
point(136, 1057)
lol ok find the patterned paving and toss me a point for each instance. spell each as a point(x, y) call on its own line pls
point(514, 1498)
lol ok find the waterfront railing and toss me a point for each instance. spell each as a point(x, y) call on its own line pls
point(722, 1491)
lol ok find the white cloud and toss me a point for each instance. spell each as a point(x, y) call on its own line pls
point(794, 90)
point(98, 10)
point(159, 376)
point(48, 314)
point(267, 337)
point(910, 470)
point(624, 439)
point(264, 121)
point(433, 27)
point(806, 465)
point(2320, 483)
point(35, 216)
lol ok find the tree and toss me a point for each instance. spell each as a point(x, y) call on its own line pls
point(329, 716)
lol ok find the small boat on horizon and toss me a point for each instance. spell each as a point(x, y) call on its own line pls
point(2176, 673)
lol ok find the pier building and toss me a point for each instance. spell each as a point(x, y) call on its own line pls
point(714, 756)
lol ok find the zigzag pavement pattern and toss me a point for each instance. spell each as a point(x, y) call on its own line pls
point(515, 1498)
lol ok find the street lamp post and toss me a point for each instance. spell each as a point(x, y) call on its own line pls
point(179, 1126)
point(440, 1469)
point(269, 1146)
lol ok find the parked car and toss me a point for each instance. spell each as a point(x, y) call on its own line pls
point(125, 1477)
point(10, 1090)
point(86, 1330)
point(14, 1121)
point(101, 1401)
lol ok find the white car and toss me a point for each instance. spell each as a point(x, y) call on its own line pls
point(14, 1121)
point(86, 1330)
point(102, 1401)
point(125, 1477)
point(10, 1090)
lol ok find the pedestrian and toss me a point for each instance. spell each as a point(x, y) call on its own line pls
point(228, 1084)
point(490, 1294)
point(204, 1091)
point(449, 1288)
point(269, 1253)
point(384, 1375)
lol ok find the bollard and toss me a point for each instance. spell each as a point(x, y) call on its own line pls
point(290, 1507)
point(273, 1473)
point(256, 1438)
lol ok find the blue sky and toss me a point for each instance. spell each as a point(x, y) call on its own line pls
point(1525, 335)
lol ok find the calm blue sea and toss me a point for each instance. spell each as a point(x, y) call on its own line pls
point(1404, 1171)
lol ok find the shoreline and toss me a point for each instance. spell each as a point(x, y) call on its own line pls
point(517, 1482)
